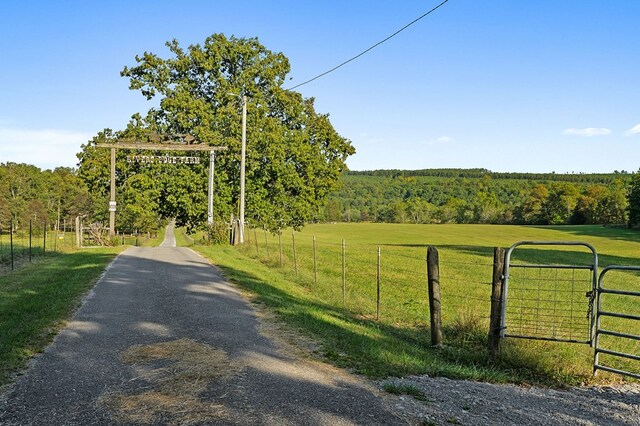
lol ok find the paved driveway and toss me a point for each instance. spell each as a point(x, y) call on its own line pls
point(164, 339)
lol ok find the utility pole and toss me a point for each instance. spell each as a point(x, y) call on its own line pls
point(242, 165)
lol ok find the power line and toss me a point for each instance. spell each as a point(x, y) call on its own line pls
point(370, 48)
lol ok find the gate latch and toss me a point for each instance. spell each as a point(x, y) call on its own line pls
point(591, 296)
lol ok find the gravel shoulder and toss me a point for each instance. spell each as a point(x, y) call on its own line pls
point(472, 403)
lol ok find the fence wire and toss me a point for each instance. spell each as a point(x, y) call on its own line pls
point(550, 303)
point(403, 293)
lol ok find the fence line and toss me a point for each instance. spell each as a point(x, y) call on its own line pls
point(385, 283)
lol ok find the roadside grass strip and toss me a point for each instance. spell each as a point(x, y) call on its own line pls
point(393, 340)
point(37, 299)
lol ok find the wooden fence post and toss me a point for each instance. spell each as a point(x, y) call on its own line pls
point(266, 242)
point(378, 289)
point(44, 240)
point(495, 321)
point(255, 237)
point(433, 279)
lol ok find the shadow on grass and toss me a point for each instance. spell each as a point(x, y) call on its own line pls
point(377, 349)
point(37, 298)
point(538, 255)
point(609, 232)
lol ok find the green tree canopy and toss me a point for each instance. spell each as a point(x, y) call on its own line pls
point(294, 155)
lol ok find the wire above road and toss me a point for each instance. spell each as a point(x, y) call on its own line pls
point(370, 48)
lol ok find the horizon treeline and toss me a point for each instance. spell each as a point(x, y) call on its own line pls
point(393, 196)
point(482, 196)
point(29, 193)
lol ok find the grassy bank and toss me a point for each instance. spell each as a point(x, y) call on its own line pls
point(397, 343)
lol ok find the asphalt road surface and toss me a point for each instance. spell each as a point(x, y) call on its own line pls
point(164, 339)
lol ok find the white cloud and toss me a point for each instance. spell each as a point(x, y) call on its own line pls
point(440, 140)
point(588, 132)
point(635, 130)
point(45, 148)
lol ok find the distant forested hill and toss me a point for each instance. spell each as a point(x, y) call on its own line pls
point(479, 196)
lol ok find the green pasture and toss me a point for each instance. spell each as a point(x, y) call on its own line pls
point(394, 339)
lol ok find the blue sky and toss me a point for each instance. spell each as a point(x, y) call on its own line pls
point(508, 85)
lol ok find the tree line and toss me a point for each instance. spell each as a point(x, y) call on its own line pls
point(28, 193)
point(480, 196)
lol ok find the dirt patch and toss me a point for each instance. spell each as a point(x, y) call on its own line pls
point(171, 376)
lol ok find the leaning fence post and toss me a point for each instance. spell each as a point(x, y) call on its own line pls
point(378, 288)
point(433, 279)
point(295, 256)
point(495, 321)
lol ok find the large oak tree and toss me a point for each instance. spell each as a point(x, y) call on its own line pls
point(294, 155)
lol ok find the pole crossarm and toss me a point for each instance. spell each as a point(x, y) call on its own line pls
point(161, 146)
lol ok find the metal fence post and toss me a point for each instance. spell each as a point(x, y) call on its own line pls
point(44, 239)
point(280, 244)
point(378, 288)
point(295, 256)
point(344, 276)
point(30, 235)
point(11, 242)
point(315, 263)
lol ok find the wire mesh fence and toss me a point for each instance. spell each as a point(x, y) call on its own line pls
point(550, 303)
point(384, 282)
point(23, 242)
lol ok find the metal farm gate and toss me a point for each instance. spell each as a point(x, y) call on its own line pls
point(547, 301)
point(553, 297)
point(617, 330)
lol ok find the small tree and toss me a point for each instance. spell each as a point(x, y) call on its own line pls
point(633, 197)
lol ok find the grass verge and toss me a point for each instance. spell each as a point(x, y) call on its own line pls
point(37, 299)
point(398, 343)
point(365, 346)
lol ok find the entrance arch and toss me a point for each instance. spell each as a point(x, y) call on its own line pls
point(167, 146)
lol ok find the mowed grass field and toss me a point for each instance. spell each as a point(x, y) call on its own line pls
point(394, 339)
